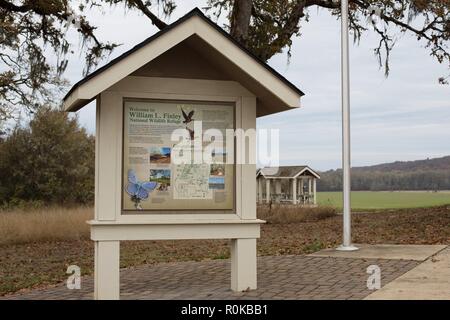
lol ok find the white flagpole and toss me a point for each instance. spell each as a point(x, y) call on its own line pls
point(346, 156)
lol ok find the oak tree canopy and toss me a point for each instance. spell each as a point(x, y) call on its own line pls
point(34, 44)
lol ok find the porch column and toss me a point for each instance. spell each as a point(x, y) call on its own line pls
point(260, 193)
point(309, 189)
point(267, 190)
point(294, 191)
point(302, 186)
point(315, 190)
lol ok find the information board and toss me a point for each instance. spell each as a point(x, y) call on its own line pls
point(176, 156)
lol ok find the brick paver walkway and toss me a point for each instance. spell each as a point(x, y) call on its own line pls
point(279, 277)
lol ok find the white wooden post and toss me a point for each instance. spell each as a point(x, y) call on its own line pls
point(243, 250)
point(107, 253)
point(315, 190)
point(302, 186)
point(243, 264)
point(294, 191)
point(309, 190)
point(267, 190)
point(107, 270)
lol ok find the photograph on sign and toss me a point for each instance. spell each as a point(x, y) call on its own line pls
point(175, 156)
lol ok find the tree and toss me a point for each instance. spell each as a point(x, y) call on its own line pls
point(271, 25)
point(29, 31)
point(50, 160)
point(265, 27)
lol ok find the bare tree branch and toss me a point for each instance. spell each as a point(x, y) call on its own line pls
point(145, 10)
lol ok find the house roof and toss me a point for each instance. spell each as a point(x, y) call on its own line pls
point(286, 172)
point(267, 84)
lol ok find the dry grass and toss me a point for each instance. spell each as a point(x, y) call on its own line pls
point(279, 213)
point(46, 224)
point(65, 224)
point(28, 265)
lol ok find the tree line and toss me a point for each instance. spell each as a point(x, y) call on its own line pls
point(361, 180)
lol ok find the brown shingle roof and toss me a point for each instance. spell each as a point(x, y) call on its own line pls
point(284, 171)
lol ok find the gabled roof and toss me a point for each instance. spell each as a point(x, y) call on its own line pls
point(286, 172)
point(269, 86)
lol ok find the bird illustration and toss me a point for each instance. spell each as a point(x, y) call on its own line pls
point(187, 117)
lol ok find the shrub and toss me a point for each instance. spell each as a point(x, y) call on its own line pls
point(283, 213)
point(51, 160)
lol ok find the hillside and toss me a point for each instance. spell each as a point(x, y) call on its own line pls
point(429, 174)
point(408, 166)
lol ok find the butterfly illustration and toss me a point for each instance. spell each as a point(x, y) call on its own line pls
point(137, 190)
point(187, 117)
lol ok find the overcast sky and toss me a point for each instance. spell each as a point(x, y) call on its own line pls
point(403, 117)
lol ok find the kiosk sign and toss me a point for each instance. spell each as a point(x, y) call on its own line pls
point(175, 126)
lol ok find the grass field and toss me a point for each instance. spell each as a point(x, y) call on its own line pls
point(386, 199)
point(47, 224)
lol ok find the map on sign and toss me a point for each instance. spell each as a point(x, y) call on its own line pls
point(191, 181)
